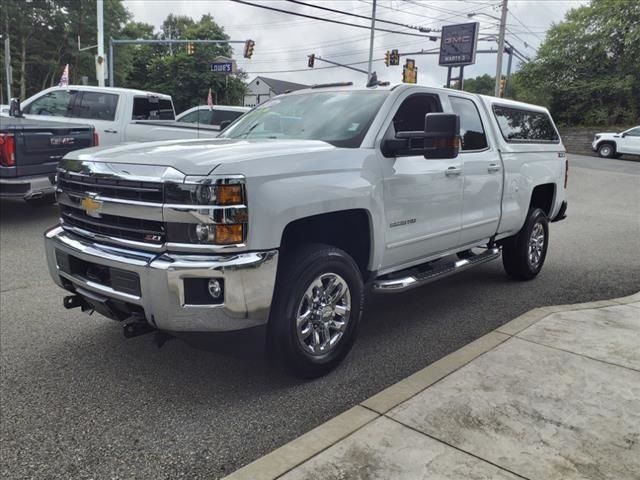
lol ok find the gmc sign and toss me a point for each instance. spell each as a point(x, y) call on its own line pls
point(458, 44)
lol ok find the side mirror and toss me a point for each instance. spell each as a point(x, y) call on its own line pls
point(224, 124)
point(14, 108)
point(441, 135)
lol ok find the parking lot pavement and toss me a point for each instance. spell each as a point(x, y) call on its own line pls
point(80, 401)
point(557, 399)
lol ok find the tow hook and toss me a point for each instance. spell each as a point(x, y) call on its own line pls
point(140, 327)
point(75, 301)
point(136, 328)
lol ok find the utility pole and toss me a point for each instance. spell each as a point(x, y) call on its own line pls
point(100, 57)
point(503, 26)
point(7, 66)
point(373, 27)
point(507, 89)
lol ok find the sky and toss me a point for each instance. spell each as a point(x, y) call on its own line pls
point(284, 41)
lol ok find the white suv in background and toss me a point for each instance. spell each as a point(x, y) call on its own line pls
point(214, 116)
point(615, 144)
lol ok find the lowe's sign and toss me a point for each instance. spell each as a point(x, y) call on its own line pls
point(458, 44)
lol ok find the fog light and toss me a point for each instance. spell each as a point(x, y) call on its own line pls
point(215, 289)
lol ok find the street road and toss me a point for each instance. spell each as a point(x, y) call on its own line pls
point(80, 401)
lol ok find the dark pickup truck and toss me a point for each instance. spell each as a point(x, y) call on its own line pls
point(30, 151)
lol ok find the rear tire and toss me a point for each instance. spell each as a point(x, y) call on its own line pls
point(606, 150)
point(316, 310)
point(524, 254)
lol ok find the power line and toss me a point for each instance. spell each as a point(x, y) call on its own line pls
point(289, 12)
point(316, 68)
point(526, 28)
point(378, 20)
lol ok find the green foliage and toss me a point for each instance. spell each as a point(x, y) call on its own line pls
point(44, 37)
point(483, 85)
point(587, 70)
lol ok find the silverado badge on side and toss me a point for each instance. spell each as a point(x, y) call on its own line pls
point(91, 206)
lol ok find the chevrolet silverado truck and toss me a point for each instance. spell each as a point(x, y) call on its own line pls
point(29, 154)
point(300, 206)
point(119, 115)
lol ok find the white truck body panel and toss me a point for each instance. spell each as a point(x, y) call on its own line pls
point(123, 127)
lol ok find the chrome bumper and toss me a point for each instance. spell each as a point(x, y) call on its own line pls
point(26, 187)
point(249, 280)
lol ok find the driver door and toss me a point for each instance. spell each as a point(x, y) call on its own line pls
point(54, 105)
point(422, 197)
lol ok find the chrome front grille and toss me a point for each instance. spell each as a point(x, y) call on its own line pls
point(141, 191)
point(133, 229)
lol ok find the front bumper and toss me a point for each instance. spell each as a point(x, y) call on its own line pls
point(249, 280)
point(27, 188)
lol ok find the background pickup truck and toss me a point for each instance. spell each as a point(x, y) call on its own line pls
point(29, 154)
point(616, 144)
point(300, 205)
point(118, 114)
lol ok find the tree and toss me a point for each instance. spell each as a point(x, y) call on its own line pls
point(484, 85)
point(587, 71)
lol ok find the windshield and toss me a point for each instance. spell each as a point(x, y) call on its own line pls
point(339, 118)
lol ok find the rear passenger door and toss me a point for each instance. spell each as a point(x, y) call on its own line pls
point(482, 171)
point(99, 109)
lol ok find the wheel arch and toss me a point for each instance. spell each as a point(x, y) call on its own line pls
point(350, 230)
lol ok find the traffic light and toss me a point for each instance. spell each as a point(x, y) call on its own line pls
point(387, 58)
point(503, 86)
point(248, 48)
point(394, 58)
point(190, 48)
point(410, 72)
point(312, 59)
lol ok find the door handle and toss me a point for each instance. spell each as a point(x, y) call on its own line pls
point(110, 130)
point(452, 171)
point(493, 167)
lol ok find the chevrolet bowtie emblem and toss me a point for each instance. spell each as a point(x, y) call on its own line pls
point(91, 206)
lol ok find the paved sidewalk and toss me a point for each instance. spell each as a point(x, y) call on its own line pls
point(553, 394)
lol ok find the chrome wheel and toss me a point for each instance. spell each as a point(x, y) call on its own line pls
point(536, 245)
point(323, 314)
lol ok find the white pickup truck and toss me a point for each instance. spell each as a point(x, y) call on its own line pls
point(616, 144)
point(303, 203)
point(118, 115)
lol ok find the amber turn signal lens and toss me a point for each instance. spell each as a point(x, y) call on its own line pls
point(229, 194)
point(229, 234)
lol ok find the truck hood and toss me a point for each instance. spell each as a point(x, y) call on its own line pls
point(198, 157)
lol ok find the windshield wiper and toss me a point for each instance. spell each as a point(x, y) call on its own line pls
point(251, 128)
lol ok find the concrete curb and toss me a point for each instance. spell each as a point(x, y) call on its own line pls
point(301, 449)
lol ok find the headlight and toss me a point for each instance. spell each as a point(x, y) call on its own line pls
point(209, 211)
point(205, 193)
point(597, 137)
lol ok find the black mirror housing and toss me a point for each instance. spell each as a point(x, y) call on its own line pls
point(441, 135)
point(14, 108)
point(224, 124)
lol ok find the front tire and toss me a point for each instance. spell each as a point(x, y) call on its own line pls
point(523, 255)
point(316, 310)
point(606, 150)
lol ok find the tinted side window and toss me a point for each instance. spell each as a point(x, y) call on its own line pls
point(55, 103)
point(205, 116)
point(410, 117)
point(96, 106)
point(152, 108)
point(518, 125)
point(220, 116)
point(634, 132)
point(189, 118)
point(471, 129)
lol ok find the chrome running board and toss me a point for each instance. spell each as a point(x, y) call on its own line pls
point(415, 278)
